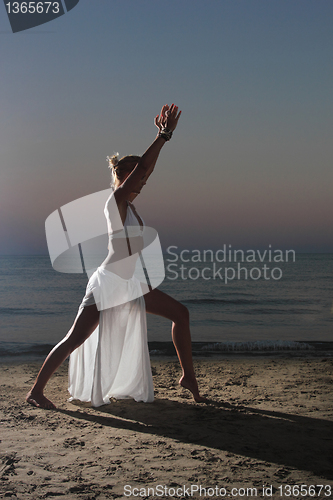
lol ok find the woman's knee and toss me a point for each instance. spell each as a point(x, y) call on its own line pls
point(74, 339)
point(182, 314)
point(83, 327)
point(71, 342)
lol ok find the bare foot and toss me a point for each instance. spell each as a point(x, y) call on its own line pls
point(39, 400)
point(192, 386)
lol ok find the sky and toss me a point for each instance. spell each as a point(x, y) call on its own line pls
point(250, 163)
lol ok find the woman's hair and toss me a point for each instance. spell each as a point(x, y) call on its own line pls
point(119, 168)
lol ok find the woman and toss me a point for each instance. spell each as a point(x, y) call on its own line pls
point(130, 175)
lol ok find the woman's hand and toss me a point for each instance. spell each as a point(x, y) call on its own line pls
point(160, 119)
point(172, 117)
point(168, 118)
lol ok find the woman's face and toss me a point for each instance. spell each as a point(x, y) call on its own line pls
point(139, 186)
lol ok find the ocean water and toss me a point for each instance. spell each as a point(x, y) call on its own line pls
point(38, 304)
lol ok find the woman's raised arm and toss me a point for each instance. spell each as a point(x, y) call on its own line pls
point(166, 122)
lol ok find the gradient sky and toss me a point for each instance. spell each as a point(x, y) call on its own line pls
point(251, 161)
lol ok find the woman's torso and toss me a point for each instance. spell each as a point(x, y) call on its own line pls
point(125, 239)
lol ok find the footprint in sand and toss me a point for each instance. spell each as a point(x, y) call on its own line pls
point(73, 443)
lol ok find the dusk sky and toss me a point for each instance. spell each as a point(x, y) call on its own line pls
point(250, 163)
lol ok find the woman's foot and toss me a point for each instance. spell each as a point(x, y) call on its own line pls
point(39, 400)
point(192, 385)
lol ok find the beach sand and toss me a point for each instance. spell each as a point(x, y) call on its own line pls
point(269, 423)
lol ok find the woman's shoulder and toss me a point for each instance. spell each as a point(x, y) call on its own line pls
point(112, 214)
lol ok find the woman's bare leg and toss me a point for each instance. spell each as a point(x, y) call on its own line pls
point(160, 303)
point(84, 324)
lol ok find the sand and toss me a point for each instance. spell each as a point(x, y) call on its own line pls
point(269, 423)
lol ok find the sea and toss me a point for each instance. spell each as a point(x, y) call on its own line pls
point(285, 305)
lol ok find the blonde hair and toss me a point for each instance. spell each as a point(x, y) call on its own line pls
point(121, 167)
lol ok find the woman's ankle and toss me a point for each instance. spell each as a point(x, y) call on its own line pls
point(36, 390)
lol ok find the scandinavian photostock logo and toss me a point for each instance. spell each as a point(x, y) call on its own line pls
point(24, 15)
point(236, 264)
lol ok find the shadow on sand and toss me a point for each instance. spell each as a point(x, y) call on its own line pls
point(291, 440)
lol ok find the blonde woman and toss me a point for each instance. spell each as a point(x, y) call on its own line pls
point(114, 361)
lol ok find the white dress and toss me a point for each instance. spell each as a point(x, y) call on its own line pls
point(114, 360)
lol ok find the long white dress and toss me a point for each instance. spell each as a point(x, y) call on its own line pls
point(114, 360)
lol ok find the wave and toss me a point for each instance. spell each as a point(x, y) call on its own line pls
point(24, 349)
point(259, 345)
point(278, 311)
point(243, 301)
point(25, 311)
point(158, 348)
